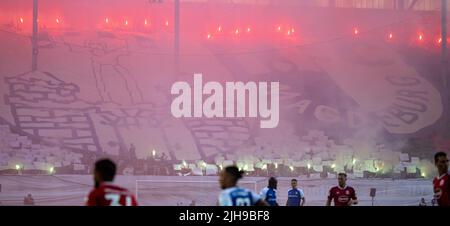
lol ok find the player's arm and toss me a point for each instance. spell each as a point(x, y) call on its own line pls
point(260, 202)
point(330, 196)
point(92, 199)
point(263, 193)
point(287, 198)
point(353, 199)
point(134, 201)
point(302, 198)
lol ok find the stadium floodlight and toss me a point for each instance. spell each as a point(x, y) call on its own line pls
point(17, 167)
point(34, 39)
point(153, 153)
point(444, 55)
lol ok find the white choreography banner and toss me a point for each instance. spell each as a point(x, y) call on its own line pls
point(213, 106)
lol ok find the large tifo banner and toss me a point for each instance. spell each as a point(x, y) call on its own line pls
point(228, 82)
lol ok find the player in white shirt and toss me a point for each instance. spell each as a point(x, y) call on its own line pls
point(232, 195)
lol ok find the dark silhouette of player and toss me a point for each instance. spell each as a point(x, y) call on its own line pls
point(105, 192)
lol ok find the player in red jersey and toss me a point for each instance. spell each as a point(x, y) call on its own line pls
point(342, 195)
point(441, 183)
point(105, 192)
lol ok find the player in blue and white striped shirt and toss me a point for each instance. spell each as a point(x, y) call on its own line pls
point(269, 193)
point(232, 195)
point(296, 197)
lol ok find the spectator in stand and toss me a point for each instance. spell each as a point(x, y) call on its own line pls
point(423, 202)
point(163, 157)
point(132, 153)
point(28, 200)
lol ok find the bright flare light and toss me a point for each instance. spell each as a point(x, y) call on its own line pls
point(354, 161)
point(424, 174)
point(21, 20)
point(145, 22)
point(57, 20)
point(440, 40)
point(167, 23)
point(184, 163)
point(333, 166)
point(291, 168)
point(236, 31)
point(208, 36)
point(107, 20)
point(51, 170)
point(17, 167)
point(355, 31)
point(264, 167)
point(153, 152)
point(248, 29)
point(279, 28)
point(219, 29)
point(276, 165)
point(309, 166)
point(126, 22)
point(391, 35)
point(420, 37)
